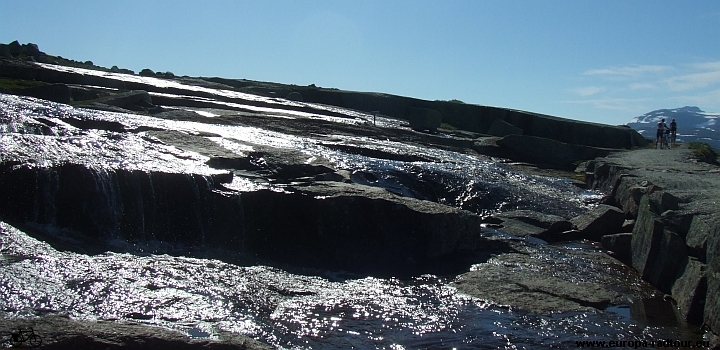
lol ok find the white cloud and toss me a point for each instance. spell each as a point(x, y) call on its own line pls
point(589, 90)
point(629, 71)
point(710, 75)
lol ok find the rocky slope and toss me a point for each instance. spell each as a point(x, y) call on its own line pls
point(674, 244)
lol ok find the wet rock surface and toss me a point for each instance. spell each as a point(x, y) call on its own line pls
point(170, 199)
point(524, 279)
point(62, 332)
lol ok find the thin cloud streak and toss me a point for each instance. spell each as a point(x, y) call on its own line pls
point(696, 80)
point(630, 71)
point(618, 104)
point(589, 90)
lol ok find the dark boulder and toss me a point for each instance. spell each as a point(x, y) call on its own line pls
point(146, 72)
point(136, 100)
point(662, 201)
point(689, 291)
point(116, 69)
point(601, 220)
point(627, 194)
point(165, 75)
point(15, 48)
point(31, 49)
point(532, 223)
point(658, 253)
point(423, 119)
point(702, 228)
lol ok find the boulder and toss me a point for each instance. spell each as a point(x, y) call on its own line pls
point(135, 100)
point(662, 201)
point(551, 286)
point(689, 291)
point(678, 220)
point(531, 223)
point(15, 48)
point(658, 253)
point(628, 194)
point(618, 243)
point(423, 119)
point(702, 228)
point(146, 72)
point(31, 49)
point(646, 236)
point(601, 220)
point(116, 69)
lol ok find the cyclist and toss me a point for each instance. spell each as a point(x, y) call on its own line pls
point(673, 130)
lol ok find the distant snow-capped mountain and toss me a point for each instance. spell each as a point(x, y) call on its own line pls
point(693, 124)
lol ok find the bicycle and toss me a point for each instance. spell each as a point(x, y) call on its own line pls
point(665, 140)
point(23, 335)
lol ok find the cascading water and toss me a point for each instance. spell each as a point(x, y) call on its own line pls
point(169, 216)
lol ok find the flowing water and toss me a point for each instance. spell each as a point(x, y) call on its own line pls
point(298, 308)
point(314, 309)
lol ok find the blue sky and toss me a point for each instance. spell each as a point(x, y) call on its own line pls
point(603, 61)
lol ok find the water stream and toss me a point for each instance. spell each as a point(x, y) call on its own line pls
point(299, 308)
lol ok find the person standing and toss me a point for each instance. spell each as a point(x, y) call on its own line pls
point(673, 130)
point(661, 126)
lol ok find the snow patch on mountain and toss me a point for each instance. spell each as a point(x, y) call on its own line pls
point(693, 123)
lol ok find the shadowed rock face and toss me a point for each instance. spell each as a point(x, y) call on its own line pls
point(348, 227)
point(674, 240)
point(133, 205)
point(360, 229)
